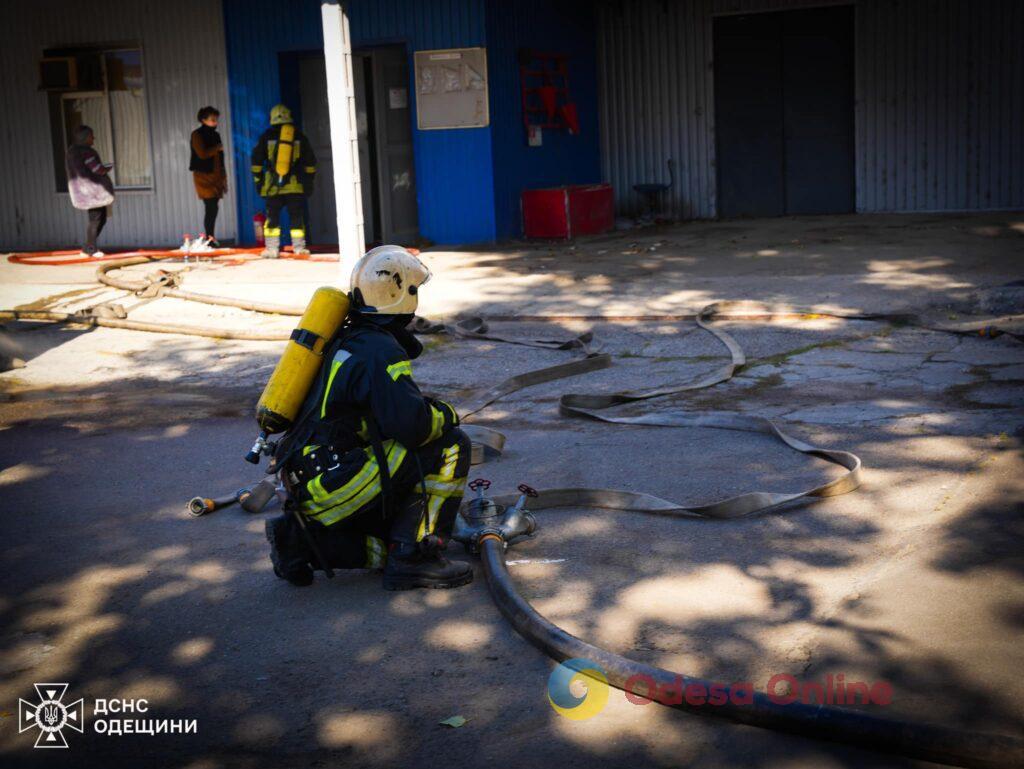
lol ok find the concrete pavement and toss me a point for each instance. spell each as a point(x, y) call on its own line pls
point(913, 579)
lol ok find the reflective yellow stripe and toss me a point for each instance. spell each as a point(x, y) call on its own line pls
point(428, 522)
point(297, 232)
point(440, 486)
point(322, 497)
point(331, 507)
point(402, 367)
point(376, 554)
point(339, 358)
point(444, 488)
point(310, 169)
point(436, 424)
point(257, 169)
point(271, 232)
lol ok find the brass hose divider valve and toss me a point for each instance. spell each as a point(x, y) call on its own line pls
point(483, 518)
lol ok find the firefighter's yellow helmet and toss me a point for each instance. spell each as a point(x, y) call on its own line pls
point(386, 281)
point(280, 114)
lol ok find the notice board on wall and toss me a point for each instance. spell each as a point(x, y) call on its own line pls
point(451, 88)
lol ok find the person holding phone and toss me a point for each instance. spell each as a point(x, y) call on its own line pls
point(207, 167)
point(89, 185)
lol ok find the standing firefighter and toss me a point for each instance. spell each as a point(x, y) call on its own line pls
point(376, 469)
point(283, 170)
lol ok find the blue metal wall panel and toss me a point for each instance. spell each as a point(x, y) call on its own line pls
point(455, 190)
point(567, 27)
point(256, 31)
point(454, 182)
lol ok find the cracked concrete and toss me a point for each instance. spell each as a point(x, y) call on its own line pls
point(914, 578)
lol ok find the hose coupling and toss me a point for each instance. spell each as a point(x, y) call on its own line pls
point(483, 517)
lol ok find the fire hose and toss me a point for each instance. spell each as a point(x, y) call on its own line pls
point(924, 741)
point(163, 283)
point(941, 744)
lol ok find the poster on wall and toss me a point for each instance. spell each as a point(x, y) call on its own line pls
point(451, 88)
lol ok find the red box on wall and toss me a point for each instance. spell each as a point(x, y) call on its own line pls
point(567, 212)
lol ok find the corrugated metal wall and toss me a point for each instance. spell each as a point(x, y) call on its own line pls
point(654, 66)
point(939, 90)
point(940, 97)
point(727, 7)
point(184, 68)
point(454, 186)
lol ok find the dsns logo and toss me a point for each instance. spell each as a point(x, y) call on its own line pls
point(50, 715)
point(578, 689)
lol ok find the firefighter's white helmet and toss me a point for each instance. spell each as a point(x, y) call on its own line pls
point(386, 281)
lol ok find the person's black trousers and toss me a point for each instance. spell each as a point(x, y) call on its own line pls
point(97, 219)
point(210, 206)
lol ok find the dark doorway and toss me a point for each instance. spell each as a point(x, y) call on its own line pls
point(784, 112)
point(384, 130)
point(316, 122)
point(384, 125)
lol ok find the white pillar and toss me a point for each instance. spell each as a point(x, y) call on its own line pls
point(341, 106)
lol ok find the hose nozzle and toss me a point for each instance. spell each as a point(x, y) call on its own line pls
point(259, 447)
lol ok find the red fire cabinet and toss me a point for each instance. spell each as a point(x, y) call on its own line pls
point(567, 212)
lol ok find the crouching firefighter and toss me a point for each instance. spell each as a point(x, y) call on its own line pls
point(375, 470)
point(283, 170)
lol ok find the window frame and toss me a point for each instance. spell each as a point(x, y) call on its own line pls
point(58, 97)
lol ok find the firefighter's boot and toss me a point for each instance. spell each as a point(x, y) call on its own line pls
point(271, 247)
point(421, 564)
point(289, 552)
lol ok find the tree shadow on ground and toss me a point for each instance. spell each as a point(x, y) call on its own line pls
point(113, 588)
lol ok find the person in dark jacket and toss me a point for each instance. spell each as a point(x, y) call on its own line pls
point(283, 170)
point(89, 185)
point(378, 470)
point(207, 167)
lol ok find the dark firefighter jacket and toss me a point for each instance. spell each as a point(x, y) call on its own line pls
point(368, 373)
point(299, 180)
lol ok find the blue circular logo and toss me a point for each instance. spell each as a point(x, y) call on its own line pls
point(586, 677)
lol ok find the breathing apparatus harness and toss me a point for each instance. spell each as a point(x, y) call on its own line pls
point(336, 436)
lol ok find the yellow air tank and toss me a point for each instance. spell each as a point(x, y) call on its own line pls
point(299, 365)
point(285, 142)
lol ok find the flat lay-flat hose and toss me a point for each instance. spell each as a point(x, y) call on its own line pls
point(942, 744)
point(140, 325)
point(929, 742)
